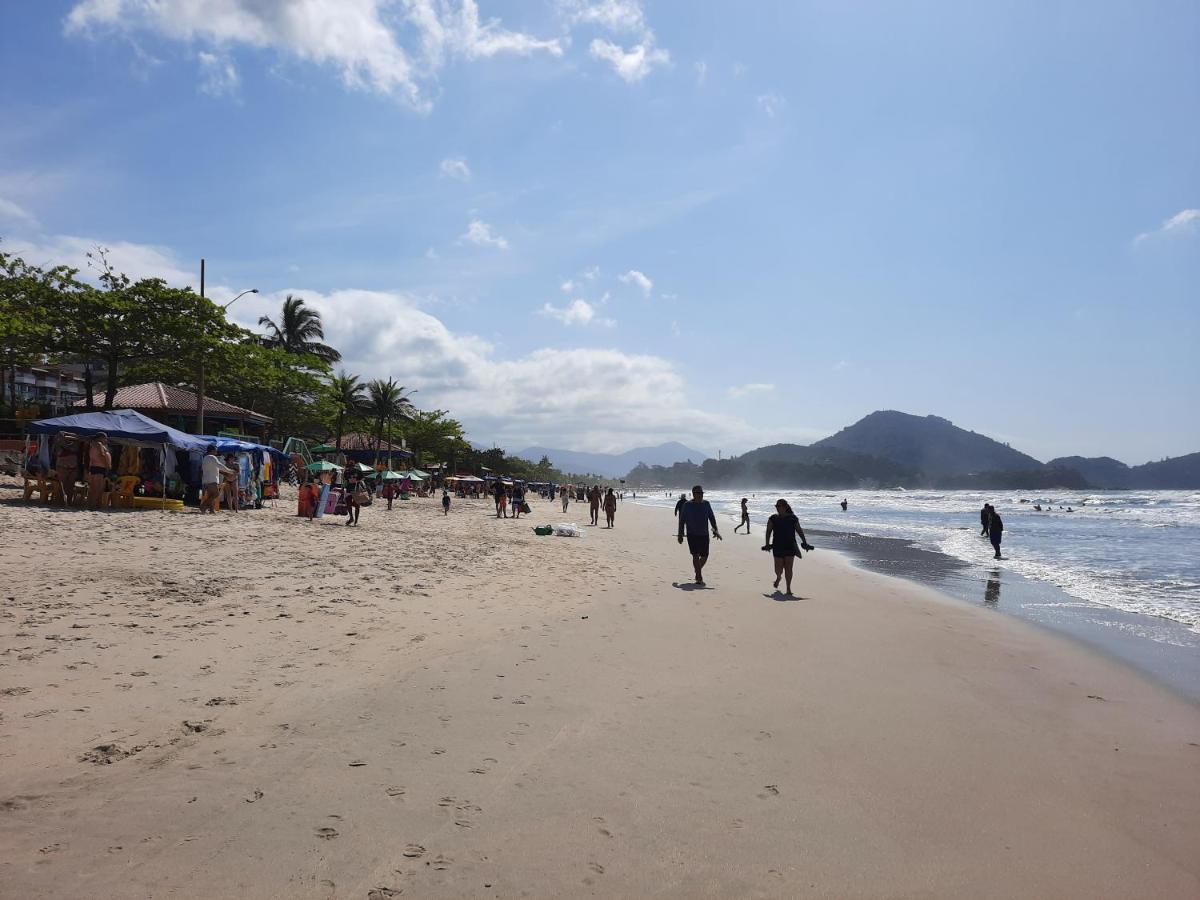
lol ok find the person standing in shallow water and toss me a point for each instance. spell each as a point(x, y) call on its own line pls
point(784, 528)
point(984, 515)
point(695, 517)
point(745, 517)
point(995, 531)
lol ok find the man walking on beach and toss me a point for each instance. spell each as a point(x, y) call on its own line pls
point(695, 517)
point(995, 530)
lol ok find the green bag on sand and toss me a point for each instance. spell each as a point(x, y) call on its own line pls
point(543, 530)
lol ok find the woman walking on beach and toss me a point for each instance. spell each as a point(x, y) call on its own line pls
point(784, 527)
point(610, 508)
point(745, 517)
point(353, 503)
point(566, 500)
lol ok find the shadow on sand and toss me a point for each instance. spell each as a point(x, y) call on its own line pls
point(690, 586)
point(781, 597)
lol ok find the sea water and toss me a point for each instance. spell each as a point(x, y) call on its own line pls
point(1135, 551)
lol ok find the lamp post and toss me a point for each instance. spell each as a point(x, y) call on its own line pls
point(200, 379)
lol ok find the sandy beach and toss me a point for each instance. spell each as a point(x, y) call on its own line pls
point(256, 706)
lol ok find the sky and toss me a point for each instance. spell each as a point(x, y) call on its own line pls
point(600, 224)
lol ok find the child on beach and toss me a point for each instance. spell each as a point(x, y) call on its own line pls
point(445, 502)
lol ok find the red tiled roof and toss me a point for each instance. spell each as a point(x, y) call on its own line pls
point(165, 398)
point(360, 440)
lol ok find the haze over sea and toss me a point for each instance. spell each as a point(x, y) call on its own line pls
point(1133, 551)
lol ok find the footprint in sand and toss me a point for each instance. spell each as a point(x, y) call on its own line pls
point(769, 790)
point(394, 791)
point(440, 863)
point(326, 833)
point(596, 867)
point(413, 851)
point(382, 893)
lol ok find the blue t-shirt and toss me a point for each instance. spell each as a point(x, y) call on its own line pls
point(696, 517)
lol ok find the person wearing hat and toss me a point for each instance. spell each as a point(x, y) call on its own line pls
point(99, 462)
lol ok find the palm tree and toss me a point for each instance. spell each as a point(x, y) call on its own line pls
point(299, 331)
point(387, 401)
point(349, 398)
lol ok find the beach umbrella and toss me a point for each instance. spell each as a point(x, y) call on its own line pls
point(322, 448)
point(360, 467)
point(392, 476)
point(322, 465)
point(417, 473)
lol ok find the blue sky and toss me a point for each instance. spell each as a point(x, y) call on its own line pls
point(604, 224)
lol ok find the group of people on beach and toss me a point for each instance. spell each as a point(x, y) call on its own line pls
point(784, 537)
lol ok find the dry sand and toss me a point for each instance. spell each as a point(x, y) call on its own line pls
point(257, 706)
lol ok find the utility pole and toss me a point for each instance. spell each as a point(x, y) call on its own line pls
point(200, 379)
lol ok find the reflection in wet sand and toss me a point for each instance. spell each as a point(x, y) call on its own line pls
point(991, 593)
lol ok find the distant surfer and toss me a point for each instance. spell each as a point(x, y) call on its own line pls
point(845, 504)
point(745, 517)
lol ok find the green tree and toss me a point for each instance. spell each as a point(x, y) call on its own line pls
point(387, 402)
point(348, 396)
point(29, 299)
point(300, 331)
point(434, 436)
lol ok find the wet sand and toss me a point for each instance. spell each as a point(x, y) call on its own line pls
point(256, 706)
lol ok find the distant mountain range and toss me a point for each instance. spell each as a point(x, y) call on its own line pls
point(613, 465)
point(896, 449)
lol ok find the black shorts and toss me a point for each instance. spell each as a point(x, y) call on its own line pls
point(783, 551)
point(698, 544)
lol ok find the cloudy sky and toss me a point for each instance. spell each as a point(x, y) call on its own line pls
point(604, 223)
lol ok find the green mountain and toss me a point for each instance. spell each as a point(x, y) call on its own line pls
point(1099, 471)
point(929, 444)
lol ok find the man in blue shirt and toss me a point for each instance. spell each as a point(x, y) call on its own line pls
point(695, 517)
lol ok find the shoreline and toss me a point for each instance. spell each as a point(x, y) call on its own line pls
point(255, 706)
point(1172, 657)
point(1156, 646)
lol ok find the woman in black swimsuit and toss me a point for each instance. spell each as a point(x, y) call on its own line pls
point(784, 528)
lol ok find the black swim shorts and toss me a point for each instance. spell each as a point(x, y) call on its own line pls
point(698, 544)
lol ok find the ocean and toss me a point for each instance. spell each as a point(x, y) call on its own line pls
point(1132, 551)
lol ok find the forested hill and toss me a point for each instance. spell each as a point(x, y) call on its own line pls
point(928, 444)
point(895, 449)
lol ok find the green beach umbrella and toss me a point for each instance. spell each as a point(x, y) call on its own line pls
point(417, 473)
point(322, 448)
point(322, 465)
point(361, 467)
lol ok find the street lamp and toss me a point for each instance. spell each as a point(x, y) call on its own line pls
point(200, 379)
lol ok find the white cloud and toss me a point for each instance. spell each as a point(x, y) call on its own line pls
point(135, 260)
point(568, 286)
point(577, 312)
point(220, 75)
point(633, 64)
point(633, 276)
point(430, 253)
point(1183, 222)
point(456, 167)
point(592, 273)
point(14, 212)
point(622, 16)
point(480, 233)
point(360, 38)
point(771, 103)
point(755, 388)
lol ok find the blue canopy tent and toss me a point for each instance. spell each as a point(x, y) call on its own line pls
point(132, 427)
point(122, 425)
